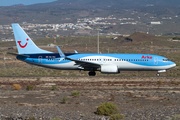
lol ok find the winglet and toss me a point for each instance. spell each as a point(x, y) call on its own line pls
point(75, 51)
point(60, 52)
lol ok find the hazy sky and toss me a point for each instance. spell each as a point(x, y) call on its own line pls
point(25, 2)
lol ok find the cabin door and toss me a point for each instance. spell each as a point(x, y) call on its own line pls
point(155, 61)
point(40, 59)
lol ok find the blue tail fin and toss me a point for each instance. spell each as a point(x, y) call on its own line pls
point(24, 43)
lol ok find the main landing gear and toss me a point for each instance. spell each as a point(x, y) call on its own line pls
point(92, 73)
point(158, 74)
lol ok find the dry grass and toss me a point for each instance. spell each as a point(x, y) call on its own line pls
point(16, 86)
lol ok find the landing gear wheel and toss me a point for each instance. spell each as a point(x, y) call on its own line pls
point(157, 74)
point(92, 73)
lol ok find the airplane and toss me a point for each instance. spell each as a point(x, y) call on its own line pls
point(105, 63)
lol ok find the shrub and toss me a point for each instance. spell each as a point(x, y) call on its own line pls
point(83, 115)
point(64, 100)
point(29, 87)
point(176, 38)
point(107, 109)
point(17, 86)
point(31, 118)
point(38, 79)
point(55, 119)
point(75, 93)
point(117, 117)
point(53, 87)
point(176, 117)
point(159, 82)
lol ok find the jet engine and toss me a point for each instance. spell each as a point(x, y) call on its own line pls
point(111, 69)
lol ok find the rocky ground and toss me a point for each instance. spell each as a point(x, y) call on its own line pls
point(138, 98)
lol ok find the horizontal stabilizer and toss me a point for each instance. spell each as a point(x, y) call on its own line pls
point(16, 54)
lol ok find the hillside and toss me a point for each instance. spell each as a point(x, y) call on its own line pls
point(142, 37)
point(71, 11)
point(124, 3)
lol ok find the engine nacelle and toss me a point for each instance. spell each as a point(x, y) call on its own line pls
point(111, 69)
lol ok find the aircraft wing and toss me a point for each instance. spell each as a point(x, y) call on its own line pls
point(85, 63)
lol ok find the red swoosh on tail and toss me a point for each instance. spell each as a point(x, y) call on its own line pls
point(22, 46)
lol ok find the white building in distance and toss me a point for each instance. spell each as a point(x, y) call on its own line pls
point(155, 23)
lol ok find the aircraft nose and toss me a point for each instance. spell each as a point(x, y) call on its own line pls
point(173, 64)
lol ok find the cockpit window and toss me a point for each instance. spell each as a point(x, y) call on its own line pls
point(165, 60)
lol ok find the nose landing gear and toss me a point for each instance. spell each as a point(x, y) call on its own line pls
point(158, 74)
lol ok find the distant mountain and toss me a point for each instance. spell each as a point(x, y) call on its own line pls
point(108, 3)
point(58, 11)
